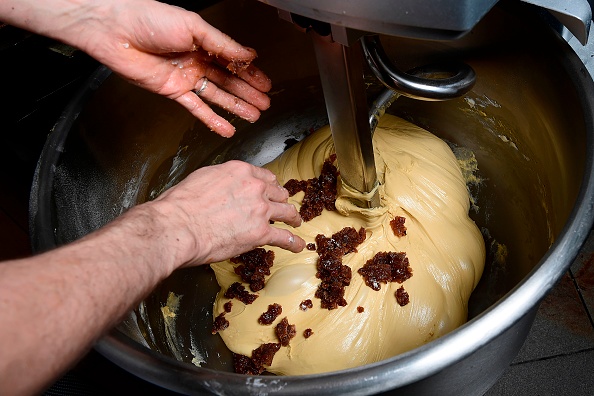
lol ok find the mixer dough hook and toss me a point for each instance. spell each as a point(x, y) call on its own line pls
point(431, 82)
point(341, 74)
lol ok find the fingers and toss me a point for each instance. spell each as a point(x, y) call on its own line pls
point(210, 92)
point(256, 78)
point(286, 240)
point(244, 89)
point(276, 193)
point(218, 43)
point(252, 75)
point(233, 83)
point(207, 90)
point(286, 213)
point(204, 113)
point(264, 174)
point(279, 210)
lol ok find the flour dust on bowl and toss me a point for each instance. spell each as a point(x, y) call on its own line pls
point(527, 125)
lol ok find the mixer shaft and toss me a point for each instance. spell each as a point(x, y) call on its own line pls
point(341, 73)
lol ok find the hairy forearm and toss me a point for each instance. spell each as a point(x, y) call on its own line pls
point(56, 305)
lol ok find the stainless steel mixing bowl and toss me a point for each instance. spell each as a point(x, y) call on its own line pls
point(528, 122)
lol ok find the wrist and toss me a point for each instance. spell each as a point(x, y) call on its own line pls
point(172, 232)
point(147, 236)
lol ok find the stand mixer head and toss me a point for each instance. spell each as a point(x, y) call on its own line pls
point(346, 32)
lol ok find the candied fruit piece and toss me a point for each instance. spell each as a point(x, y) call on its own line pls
point(274, 310)
point(285, 331)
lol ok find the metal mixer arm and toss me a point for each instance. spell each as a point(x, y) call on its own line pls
point(575, 15)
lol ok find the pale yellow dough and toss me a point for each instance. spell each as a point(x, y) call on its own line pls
point(420, 181)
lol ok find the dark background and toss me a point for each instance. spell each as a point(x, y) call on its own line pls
point(38, 77)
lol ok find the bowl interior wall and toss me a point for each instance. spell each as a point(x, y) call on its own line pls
point(521, 121)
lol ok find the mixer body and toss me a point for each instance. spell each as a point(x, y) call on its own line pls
point(403, 18)
point(448, 20)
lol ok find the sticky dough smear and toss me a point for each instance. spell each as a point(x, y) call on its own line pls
point(420, 181)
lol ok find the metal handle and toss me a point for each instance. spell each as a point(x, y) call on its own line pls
point(432, 82)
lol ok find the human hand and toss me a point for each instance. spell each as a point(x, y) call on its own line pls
point(224, 210)
point(174, 52)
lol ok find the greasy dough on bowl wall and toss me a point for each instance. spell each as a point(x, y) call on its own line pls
point(373, 283)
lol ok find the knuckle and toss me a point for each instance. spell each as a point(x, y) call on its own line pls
point(284, 195)
point(269, 175)
point(259, 186)
point(261, 209)
point(240, 166)
point(262, 233)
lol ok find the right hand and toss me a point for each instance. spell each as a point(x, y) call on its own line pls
point(172, 52)
point(162, 48)
point(225, 210)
